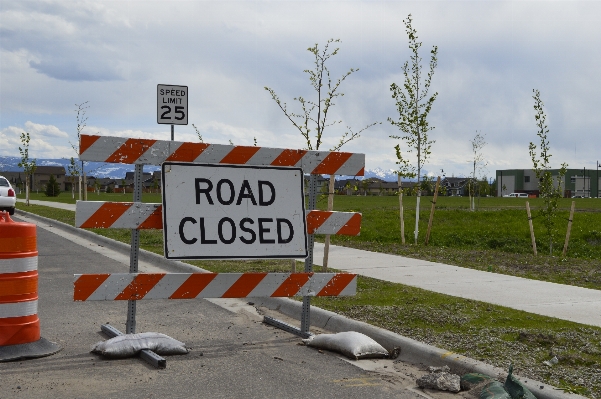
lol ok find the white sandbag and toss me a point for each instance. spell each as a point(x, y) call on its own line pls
point(128, 345)
point(352, 344)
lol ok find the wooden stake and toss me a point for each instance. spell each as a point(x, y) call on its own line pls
point(432, 210)
point(565, 245)
point(326, 248)
point(531, 228)
point(401, 211)
point(293, 265)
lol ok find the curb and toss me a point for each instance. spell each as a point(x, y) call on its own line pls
point(412, 351)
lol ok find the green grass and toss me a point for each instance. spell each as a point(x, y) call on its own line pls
point(490, 333)
point(495, 238)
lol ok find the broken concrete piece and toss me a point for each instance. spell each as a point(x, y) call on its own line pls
point(442, 381)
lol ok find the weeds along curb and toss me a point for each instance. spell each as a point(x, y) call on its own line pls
point(412, 351)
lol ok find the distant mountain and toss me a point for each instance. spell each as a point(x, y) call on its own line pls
point(386, 175)
point(117, 170)
point(96, 169)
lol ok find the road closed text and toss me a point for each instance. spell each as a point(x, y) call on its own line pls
point(247, 230)
point(236, 212)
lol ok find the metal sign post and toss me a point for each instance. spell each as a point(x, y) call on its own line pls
point(130, 326)
point(306, 314)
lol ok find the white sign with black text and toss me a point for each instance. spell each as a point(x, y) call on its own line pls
point(172, 105)
point(233, 211)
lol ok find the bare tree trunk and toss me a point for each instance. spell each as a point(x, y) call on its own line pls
point(85, 187)
point(26, 190)
point(326, 248)
point(469, 191)
point(402, 220)
point(79, 181)
point(416, 232)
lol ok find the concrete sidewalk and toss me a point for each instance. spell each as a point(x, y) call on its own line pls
point(59, 205)
point(581, 305)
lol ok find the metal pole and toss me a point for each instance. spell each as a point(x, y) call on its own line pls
point(306, 314)
point(172, 132)
point(130, 327)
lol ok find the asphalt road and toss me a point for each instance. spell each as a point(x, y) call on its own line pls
point(233, 354)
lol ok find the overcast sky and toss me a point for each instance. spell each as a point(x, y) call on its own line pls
point(55, 54)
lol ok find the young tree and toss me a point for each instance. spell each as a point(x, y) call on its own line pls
point(29, 165)
point(53, 189)
point(550, 188)
point(315, 113)
point(75, 169)
point(479, 164)
point(73, 176)
point(413, 106)
point(314, 116)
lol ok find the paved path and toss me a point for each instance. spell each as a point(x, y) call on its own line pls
point(566, 302)
point(59, 205)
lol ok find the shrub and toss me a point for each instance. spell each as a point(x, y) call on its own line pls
point(52, 188)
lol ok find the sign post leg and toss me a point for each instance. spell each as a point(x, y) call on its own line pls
point(306, 314)
point(130, 327)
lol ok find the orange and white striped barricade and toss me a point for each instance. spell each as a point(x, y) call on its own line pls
point(156, 152)
point(128, 286)
point(137, 215)
point(143, 216)
point(19, 323)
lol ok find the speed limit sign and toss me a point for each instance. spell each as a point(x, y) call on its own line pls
point(172, 105)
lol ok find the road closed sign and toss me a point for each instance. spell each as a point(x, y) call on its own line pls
point(233, 211)
point(172, 105)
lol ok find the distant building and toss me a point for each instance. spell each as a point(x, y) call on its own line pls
point(39, 179)
point(455, 186)
point(576, 182)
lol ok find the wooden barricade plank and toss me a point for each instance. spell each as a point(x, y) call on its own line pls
point(141, 216)
point(138, 286)
point(155, 152)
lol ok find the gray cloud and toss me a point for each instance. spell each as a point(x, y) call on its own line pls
point(491, 56)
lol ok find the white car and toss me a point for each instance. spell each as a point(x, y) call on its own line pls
point(8, 199)
point(517, 195)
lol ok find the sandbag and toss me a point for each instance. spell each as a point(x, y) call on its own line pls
point(128, 345)
point(494, 390)
point(473, 380)
point(515, 388)
point(352, 344)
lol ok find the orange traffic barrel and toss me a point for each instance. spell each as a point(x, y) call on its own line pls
point(19, 322)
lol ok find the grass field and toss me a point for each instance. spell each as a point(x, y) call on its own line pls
point(494, 238)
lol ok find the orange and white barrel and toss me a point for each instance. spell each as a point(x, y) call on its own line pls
point(19, 322)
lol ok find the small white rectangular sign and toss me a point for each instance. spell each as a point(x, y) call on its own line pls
point(172, 105)
point(233, 211)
